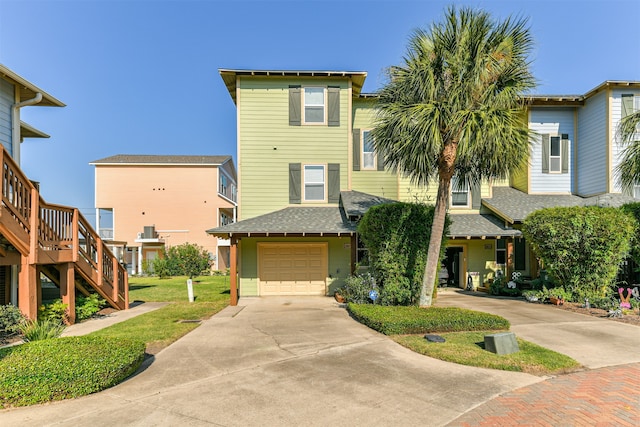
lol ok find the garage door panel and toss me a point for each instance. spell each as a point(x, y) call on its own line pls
point(292, 268)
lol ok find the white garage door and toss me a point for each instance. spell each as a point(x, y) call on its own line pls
point(292, 268)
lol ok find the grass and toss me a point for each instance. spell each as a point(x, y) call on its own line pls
point(467, 348)
point(152, 289)
point(161, 327)
point(464, 332)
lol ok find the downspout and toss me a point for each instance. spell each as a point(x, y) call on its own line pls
point(16, 138)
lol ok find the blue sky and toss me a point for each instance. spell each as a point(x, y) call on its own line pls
point(141, 77)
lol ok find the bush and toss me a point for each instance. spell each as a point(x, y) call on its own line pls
point(37, 330)
point(10, 320)
point(356, 288)
point(86, 307)
point(581, 247)
point(397, 238)
point(55, 311)
point(161, 268)
point(499, 287)
point(417, 320)
point(188, 260)
point(43, 371)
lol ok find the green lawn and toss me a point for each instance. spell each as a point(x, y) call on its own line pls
point(161, 327)
point(467, 348)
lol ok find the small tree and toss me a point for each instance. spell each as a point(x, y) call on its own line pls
point(581, 247)
point(188, 259)
point(397, 238)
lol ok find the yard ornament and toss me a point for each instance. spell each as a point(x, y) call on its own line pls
point(624, 301)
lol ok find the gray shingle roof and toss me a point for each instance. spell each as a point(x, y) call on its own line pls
point(514, 205)
point(162, 159)
point(356, 203)
point(477, 225)
point(292, 221)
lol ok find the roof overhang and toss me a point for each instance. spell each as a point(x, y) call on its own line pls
point(28, 131)
point(28, 90)
point(229, 76)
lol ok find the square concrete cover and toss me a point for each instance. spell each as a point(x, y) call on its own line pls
point(502, 343)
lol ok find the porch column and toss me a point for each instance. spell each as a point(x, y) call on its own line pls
point(28, 288)
point(68, 290)
point(233, 280)
point(510, 259)
point(354, 253)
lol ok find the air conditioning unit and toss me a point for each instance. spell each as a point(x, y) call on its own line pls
point(140, 235)
point(150, 232)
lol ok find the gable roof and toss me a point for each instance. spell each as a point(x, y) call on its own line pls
point(229, 77)
point(514, 205)
point(28, 90)
point(291, 221)
point(147, 159)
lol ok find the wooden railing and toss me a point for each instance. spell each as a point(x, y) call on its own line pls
point(55, 234)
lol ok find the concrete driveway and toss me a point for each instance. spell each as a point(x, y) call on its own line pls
point(283, 361)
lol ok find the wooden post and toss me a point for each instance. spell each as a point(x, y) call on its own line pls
point(28, 289)
point(116, 278)
point(68, 290)
point(510, 259)
point(233, 271)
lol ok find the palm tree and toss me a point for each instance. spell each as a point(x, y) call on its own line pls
point(454, 108)
point(628, 170)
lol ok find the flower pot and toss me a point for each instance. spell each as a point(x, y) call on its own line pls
point(338, 297)
point(556, 300)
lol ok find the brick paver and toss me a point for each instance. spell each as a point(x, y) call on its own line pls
point(600, 397)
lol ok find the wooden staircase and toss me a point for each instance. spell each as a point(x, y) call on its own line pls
point(41, 237)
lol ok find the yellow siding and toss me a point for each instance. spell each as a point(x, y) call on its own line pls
point(379, 183)
point(267, 144)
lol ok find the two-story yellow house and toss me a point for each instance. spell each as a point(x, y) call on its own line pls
point(307, 171)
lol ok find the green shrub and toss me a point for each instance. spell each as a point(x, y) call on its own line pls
point(37, 330)
point(43, 371)
point(581, 247)
point(499, 287)
point(188, 260)
point(397, 238)
point(86, 307)
point(10, 320)
point(55, 311)
point(417, 320)
point(161, 268)
point(356, 288)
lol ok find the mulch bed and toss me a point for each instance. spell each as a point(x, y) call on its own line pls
point(632, 317)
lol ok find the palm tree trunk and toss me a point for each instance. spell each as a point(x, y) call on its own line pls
point(435, 242)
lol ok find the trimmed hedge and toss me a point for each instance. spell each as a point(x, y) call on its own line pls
point(416, 320)
point(62, 368)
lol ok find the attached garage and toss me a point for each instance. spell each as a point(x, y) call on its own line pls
point(292, 268)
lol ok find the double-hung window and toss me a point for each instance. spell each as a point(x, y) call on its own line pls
point(555, 158)
point(368, 151)
point(314, 183)
point(223, 185)
point(459, 193)
point(314, 105)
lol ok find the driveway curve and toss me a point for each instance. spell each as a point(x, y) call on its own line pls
point(283, 361)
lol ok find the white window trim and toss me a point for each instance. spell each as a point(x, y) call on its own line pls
point(362, 152)
point(451, 191)
point(559, 156)
point(324, 183)
point(324, 106)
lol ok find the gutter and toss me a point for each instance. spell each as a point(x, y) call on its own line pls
point(15, 124)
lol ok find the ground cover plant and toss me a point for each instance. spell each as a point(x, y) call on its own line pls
point(62, 368)
point(463, 331)
point(55, 369)
point(467, 348)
